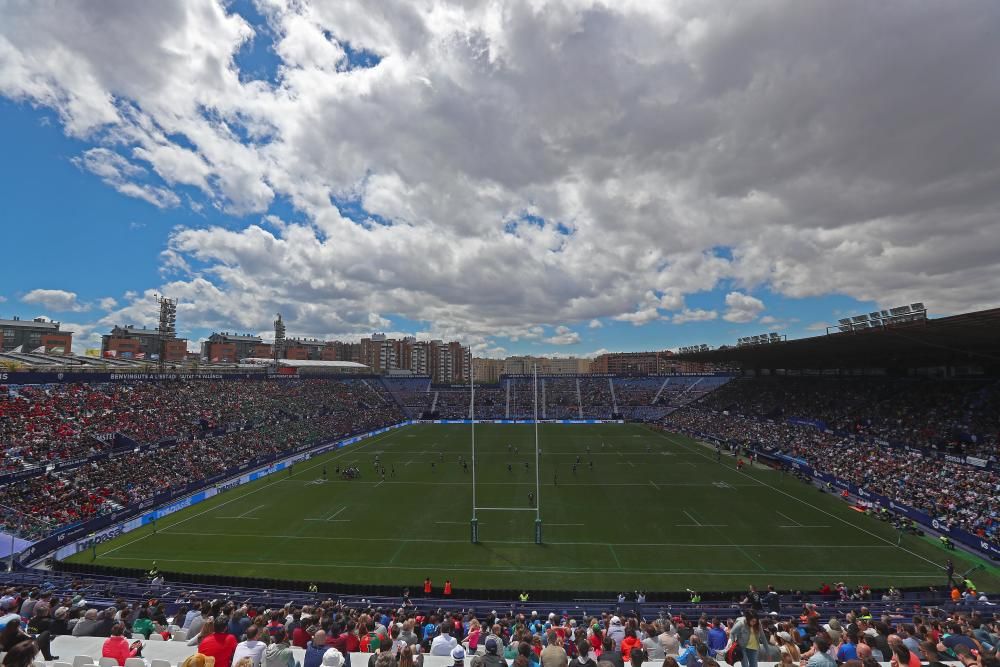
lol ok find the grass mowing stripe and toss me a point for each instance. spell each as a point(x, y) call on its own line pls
point(244, 495)
point(706, 490)
point(818, 509)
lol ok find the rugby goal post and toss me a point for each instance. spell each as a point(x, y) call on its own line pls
point(476, 508)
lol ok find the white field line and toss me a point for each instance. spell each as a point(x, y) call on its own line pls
point(348, 450)
point(818, 509)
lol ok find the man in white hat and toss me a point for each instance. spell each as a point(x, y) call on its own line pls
point(333, 658)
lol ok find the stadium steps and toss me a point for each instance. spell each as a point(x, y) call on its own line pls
point(614, 399)
point(659, 391)
point(579, 398)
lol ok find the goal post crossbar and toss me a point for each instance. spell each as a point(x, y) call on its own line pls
point(505, 509)
point(536, 508)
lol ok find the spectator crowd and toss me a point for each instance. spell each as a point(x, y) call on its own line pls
point(755, 413)
point(215, 426)
point(232, 631)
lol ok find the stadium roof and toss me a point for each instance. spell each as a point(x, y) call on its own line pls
point(972, 339)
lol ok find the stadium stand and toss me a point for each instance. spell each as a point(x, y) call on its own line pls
point(412, 394)
point(908, 439)
point(70, 618)
point(201, 428)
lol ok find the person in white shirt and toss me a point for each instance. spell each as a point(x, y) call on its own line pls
point(251, 648)
point(444, 642)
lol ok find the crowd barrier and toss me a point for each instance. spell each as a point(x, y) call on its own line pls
point(84, 535)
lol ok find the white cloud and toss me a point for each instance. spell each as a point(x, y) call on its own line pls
point(694, 315)
point(595, 324)
point(639, 317)
point(668, 128)
point(107, 303)
point(563, 336)
point(56, 300)
point(817, 326)
point(742, 308)
point(119, 173)
point(3, 299)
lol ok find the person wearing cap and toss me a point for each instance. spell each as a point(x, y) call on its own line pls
point(458, 655)
point(834, 630)
point(332, 658)
point(616, 631)
point(788, 647)
point(492, 656)
point(88, 625)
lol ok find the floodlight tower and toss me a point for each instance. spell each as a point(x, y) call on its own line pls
point(279, 339)
point(167, 329)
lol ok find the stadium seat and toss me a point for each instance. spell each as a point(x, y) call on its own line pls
point(179, 636)
point(107, 662)
point(156, 637)
point(159, 663)
point(135, 662)
point(82, 661)
point(61, 664)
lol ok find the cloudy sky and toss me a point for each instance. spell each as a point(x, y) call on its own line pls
point(527, 176)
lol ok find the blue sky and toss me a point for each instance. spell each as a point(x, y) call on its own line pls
point(464, 177)
point(99, 243)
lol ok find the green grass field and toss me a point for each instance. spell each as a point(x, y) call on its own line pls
point(657, 512)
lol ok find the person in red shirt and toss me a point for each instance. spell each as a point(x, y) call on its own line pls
point(220, 644)
point(301, 636)
point(117, 647)
point(630, 641)
point(427, 586)
point(447, 587)
point(347, 641)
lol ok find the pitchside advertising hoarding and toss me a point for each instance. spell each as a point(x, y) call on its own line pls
point(82, 536)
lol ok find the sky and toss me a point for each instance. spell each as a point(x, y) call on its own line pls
point(528, 177)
